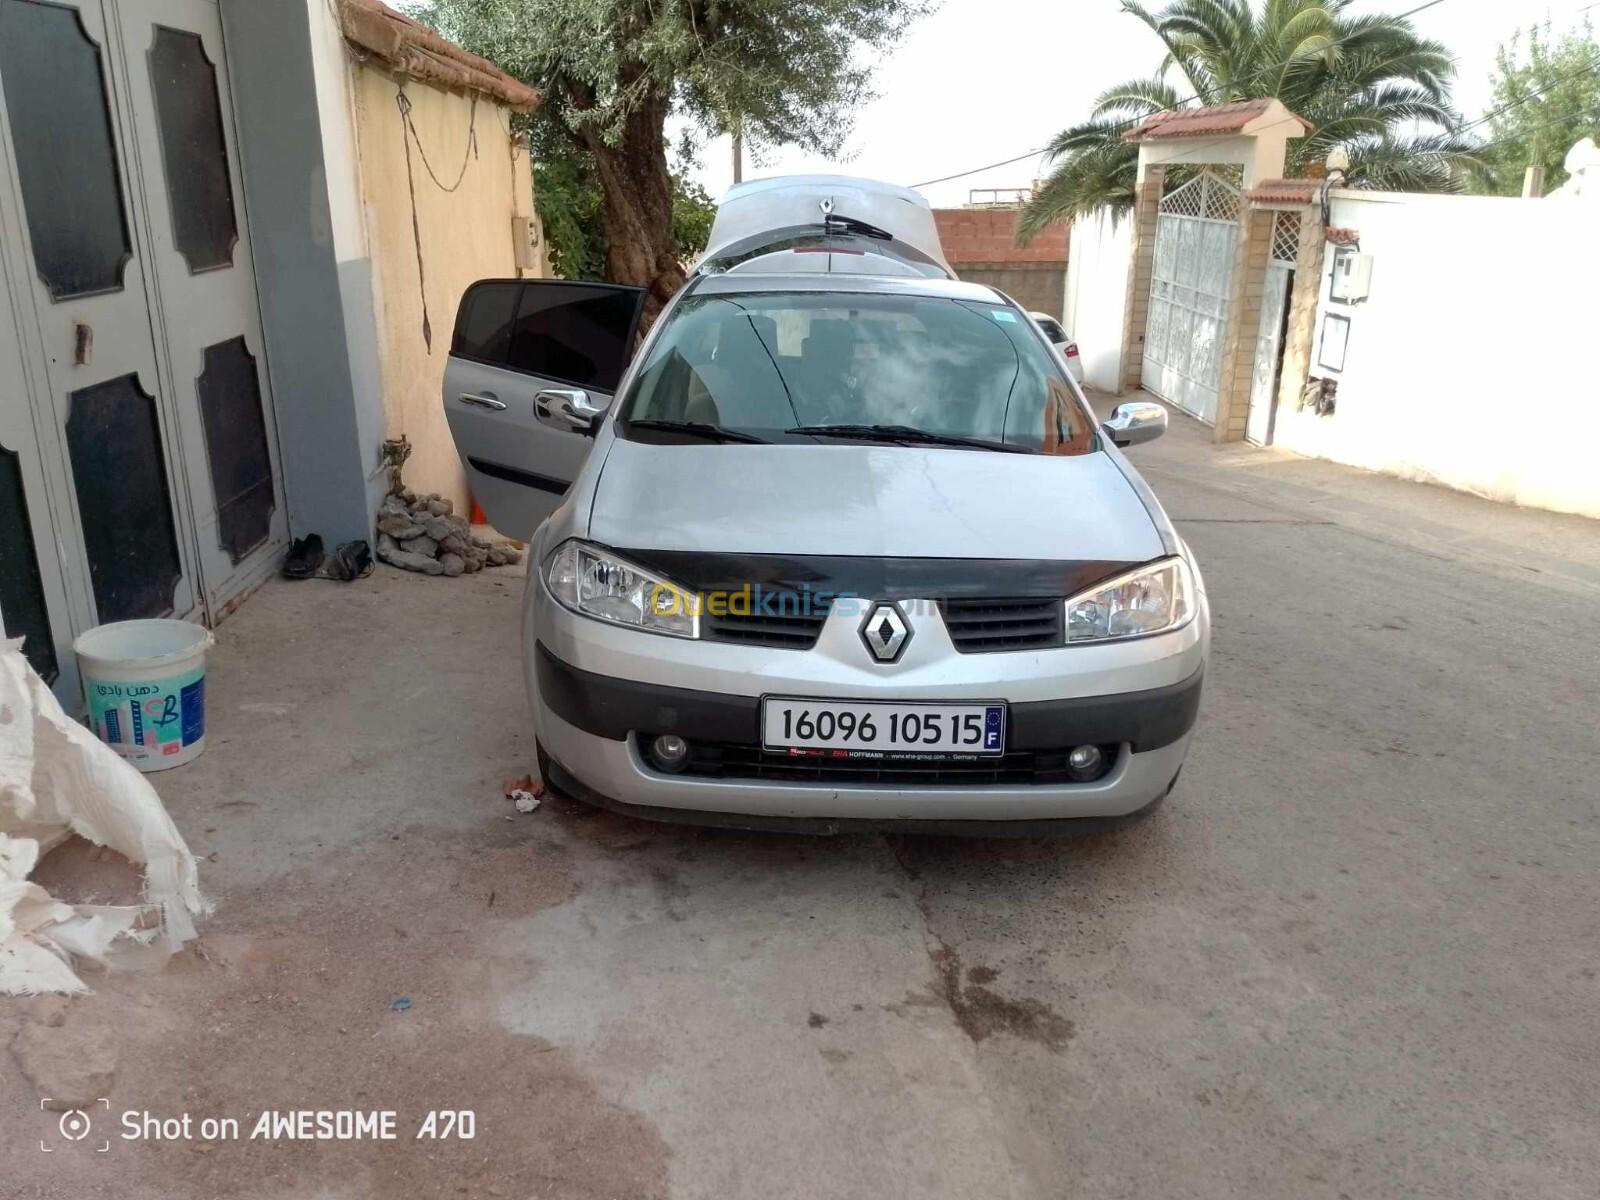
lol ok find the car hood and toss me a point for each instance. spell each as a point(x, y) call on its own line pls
point(862, 500)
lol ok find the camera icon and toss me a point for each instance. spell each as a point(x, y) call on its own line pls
point(74, 1125)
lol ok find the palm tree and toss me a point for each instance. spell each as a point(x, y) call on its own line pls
point(1361, 81)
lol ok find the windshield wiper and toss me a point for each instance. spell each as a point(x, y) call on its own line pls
point(906, 435)
point(839, 223)
point(711, 433)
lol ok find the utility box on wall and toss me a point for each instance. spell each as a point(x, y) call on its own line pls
point(1352, 276)
point(525, 242)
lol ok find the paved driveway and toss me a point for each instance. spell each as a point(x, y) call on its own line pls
point(1354, 956)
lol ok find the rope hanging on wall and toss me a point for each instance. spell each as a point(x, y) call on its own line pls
point(408, 134)
point(404, 104)
point(467, 156)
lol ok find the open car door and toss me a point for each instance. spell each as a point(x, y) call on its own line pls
point(534, 365)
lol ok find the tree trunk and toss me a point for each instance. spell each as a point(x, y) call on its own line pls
point(638, 206)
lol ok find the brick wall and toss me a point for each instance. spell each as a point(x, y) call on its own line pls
point(981, 244)
point(989, 235)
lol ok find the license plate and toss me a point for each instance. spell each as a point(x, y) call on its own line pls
point(798, 724)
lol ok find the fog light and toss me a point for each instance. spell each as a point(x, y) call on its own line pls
point(669, 752)
point(1084, 762)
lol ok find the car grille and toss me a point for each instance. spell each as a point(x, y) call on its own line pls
point(730, 760)
point(981, 624)
point(789, 631)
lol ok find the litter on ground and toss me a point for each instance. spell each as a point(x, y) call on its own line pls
point(57, 778)
point(524, 793)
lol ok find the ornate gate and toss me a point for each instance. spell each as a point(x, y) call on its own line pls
point(1196, 236)
point(1269, 336)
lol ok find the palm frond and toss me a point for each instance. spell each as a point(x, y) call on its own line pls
point(1091, 179)
point(1137, 96)
point(1083, 137)
point(1432, 162)
point(1180, 50)
point(1362, 81)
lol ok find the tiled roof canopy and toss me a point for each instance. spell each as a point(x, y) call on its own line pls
point(1286, 191)
point(989, 235)
point(1196, 122)
point(413, 50)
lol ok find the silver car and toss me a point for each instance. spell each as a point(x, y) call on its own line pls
point(840, 546)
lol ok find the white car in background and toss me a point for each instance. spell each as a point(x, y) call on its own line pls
point(1062, 341)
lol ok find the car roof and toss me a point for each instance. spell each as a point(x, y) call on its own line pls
point(892, 285)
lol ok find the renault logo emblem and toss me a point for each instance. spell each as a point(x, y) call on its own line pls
point(885, 632)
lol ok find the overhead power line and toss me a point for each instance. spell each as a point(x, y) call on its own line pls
point(1005, 162)
point(1559, 119)
point(1589, 67)
point(1132, 121)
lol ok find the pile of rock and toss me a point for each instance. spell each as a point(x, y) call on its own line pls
point(422, 533)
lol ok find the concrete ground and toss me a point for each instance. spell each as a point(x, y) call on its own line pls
point(1354, 956)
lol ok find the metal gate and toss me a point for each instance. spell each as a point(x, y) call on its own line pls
point(1269, 336)
point(1196, 236)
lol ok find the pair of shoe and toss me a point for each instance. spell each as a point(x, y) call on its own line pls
point(306, 560)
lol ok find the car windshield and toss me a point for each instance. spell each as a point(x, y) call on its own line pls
point(895, 368)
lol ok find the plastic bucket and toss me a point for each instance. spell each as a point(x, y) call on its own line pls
point(146, 686)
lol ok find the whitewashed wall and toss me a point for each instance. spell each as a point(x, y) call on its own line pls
point(1097, 283)
point(1473, 362)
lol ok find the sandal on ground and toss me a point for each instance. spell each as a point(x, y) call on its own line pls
point(350, 561)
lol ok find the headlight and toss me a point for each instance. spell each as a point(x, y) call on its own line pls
point(1152, 599)
point(598, 584)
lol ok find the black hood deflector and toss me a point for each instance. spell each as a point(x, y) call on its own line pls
point(878, 578)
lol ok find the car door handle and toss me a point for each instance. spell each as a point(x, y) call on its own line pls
point(482, 401)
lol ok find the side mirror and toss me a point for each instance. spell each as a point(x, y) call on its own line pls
point(1136, 421)
point(570, 406)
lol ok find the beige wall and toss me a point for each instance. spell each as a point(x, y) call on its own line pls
point(466, 235)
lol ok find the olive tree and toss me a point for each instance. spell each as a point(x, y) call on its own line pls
point(786, 72)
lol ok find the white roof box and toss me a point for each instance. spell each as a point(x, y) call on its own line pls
point(765, 212)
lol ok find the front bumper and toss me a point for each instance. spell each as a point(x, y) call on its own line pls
point(596, 689)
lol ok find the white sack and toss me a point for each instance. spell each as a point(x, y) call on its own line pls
point(54, 775)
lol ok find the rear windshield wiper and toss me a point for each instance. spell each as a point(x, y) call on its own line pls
point(906, 435)
point(700, 429)
point(838, 223)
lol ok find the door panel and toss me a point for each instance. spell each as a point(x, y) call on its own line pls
point(237, 447)
point(23, 605)
point(119, 470)
point(513, 339)
point(36, 603)
point(91, 299)
point(52, 71)
point(194, 154)
point(207, 311)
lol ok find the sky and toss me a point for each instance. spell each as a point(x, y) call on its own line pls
point(985, 80)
